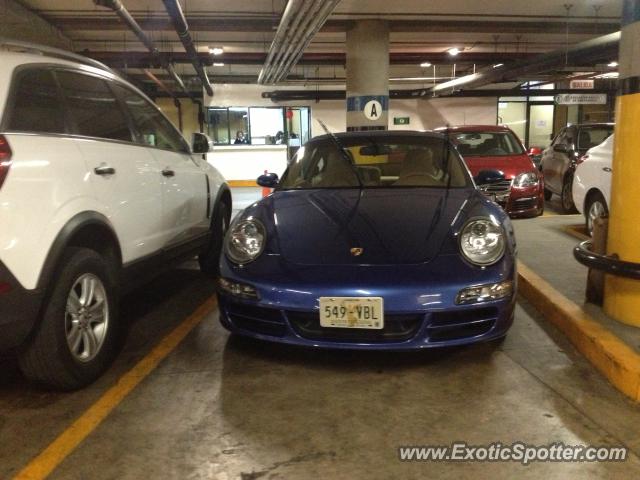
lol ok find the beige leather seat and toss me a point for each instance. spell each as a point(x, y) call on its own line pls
point(419, 169)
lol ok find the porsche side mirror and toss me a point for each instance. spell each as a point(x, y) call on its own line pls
point(489, 176)
point(200, 143)
point(268, 180)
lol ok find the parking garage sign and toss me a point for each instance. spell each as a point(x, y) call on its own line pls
point(372, 110)
point(581, 99)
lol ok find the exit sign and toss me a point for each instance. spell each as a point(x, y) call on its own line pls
point(581, 84)
point(401, 120)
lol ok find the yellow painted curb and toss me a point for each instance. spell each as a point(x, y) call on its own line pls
point(608, 353)
point(242, 183)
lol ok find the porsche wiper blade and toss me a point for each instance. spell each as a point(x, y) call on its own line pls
point(343, 151)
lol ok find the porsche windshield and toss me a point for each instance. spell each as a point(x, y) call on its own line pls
point(376, 162)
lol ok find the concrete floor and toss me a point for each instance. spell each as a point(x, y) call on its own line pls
point(227, 408)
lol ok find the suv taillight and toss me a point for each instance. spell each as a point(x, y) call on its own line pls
point(582, 158)
point(5, 159)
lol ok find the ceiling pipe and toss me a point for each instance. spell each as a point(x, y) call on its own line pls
point(317, 95)
point(278, 39)
point(182, 29)
point(125, 16)
point(604, 47)
point(326, 10)
point(300, 22)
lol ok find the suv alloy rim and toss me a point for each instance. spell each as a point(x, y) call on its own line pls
point(86, 317)
point(595, 211)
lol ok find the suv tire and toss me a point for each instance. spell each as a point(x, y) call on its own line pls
point(78, 334)
point(566, 197)
point(209, 259)
point(547, 194)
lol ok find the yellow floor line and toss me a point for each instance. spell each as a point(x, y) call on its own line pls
point(618, 362)
point(42, 465)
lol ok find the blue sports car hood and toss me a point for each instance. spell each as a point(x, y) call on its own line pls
point(391, 226)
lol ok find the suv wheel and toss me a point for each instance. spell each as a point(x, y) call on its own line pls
point(209, 259)
point(595, 207)
point(566, 198)
point(547, 194)
point(77, 337)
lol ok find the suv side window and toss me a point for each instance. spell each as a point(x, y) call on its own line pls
point(153, 128)
point(37, 107)
point(93, 107)
point(560, 138)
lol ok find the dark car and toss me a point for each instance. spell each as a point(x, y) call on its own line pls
point(371, 240)
point(560, 159)
point(496, 147)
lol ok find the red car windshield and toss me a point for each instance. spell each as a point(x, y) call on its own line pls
point(486, 144)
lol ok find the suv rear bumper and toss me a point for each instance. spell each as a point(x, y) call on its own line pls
point(18, 310)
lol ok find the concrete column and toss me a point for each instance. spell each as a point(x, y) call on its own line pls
point(622, 295)
point(368, 75)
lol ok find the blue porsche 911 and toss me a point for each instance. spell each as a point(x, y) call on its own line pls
point(371, 240)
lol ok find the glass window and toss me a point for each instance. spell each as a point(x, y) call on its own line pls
point(37, 107)
point(93, 108)
point(239, 125)
point(375, 162)
point(513, 115)
point(218, 125)
point(590, 137)
point(154, 129)
point(487, 144)
point(267, 126)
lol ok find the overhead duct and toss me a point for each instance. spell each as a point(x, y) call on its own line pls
point(300, 22)
point(182, 29)
point(125, 16)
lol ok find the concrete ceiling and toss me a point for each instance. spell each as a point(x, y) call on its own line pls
point(499, 31)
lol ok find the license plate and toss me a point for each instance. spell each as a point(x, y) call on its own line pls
point(352, 312)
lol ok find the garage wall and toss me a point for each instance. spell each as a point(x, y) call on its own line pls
point(423, 114)
point(189, 115)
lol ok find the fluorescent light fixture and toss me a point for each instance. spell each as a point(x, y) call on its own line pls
point(216, 51)
point(425, 64)
point(453, 51)
point(458, 81)
point(613, 64)
point(218, 64)
point(498, 65)
point(607, 75)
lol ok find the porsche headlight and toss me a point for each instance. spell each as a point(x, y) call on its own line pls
point(482, 241)
point(245, 241)
point(523, 180)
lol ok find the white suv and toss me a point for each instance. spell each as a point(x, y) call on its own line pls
point(98, 192)
point(592, 182)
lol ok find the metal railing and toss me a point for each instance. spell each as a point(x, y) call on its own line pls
point(610, 264)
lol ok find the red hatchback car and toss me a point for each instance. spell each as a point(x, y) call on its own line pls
point(491, 147)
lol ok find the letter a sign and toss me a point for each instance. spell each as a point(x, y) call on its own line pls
point(373, 110)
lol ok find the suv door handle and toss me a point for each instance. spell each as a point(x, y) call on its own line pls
point(606, 169)
point(168, 172)
point(104, 170)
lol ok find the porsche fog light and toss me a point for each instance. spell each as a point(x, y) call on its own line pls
point(485, 293)
point(245, 241)
point(237, 289)
point(524, 180)
point(482, 241)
